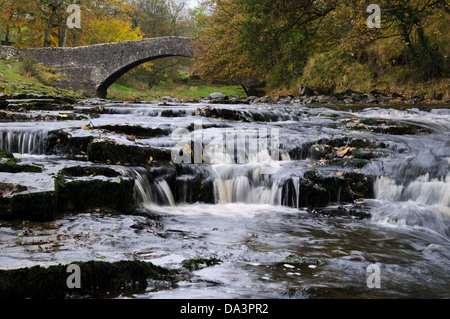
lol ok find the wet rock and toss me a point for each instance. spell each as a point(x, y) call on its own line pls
point(169, 99)
point(136, 130)
point(217, 97)
point(78, 171)
point(348, 162)
point(262, 100)
point(60, 142)
point(226, 114)
point(387, 126)
point(112, 153)
point(351, 211)
point(87, 193)
point(318, 151)
point(9, 164)
point(7, 189)
point(97, 279)
point(199, 263)
point(345, 187)
point(39, 206)
point(193, 184)
point(295, 259)
point(309, 194)
point(9, 117)
point(322, 99)
point(294, 293)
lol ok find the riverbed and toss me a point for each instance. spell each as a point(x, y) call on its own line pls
point(278, 212)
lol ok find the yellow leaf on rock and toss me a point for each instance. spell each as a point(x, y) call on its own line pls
point(342, 151)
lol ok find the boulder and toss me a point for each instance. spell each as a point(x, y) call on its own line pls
point(217, 96)
point(97, 279)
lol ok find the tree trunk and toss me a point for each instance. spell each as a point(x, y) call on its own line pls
point(7, 34)
point(62, 35)
point(48, 31)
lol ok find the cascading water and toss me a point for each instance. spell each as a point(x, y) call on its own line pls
point(423, 203)
point(252, 212)
point(24, 142)
point(245, 183)
point(149, 191)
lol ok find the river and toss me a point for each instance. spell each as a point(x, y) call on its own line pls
point(262, 218)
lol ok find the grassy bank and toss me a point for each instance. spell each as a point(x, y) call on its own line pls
point(26, 77)
point(326, 73)
point(180, 91)
point(332, 72)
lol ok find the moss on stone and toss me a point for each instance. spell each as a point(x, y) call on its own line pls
point(60, 142)
point(17, 168)
point(77, 171)
point(29, 206)
point(136, 130)
point(97, 279)
point(79, 195)
point(199, 263)
point(295, 259)
point(112, 153)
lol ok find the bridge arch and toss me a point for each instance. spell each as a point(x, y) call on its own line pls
point(102, 88)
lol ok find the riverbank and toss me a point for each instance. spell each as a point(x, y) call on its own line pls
point(15, 78)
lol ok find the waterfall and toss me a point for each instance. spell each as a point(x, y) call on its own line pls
point(423, 190)
point(423, 203)
point(24, 142)
point(150, 191)
point(249, 184)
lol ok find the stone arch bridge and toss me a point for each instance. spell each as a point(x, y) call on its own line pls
point(92, 69)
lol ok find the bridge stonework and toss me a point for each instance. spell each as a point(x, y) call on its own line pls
point(92, 69)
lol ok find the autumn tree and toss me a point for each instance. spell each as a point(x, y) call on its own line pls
point(266, 39)
point(410, 34)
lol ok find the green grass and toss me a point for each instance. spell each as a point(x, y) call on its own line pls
point(181, 91)
point(333, 72)
point(14, 79)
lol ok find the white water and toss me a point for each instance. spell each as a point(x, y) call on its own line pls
point(24, 142)
point(423, 190)
point(151, 192)
point(423, 204)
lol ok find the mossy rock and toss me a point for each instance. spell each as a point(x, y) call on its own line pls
point(348, 162)
point(309, 194)
point(37, 105)
point(390, 127)
point(295, 259)
point(199, 263)
point(6, 154)
point(347, 187)
point(226, 114)
point(109, 152)
point(193, 184)
point(17, 168)
point(77, 171)
point(293, 293)
point(136, 130)
point(97, 279)
point(11, 188)
point(60, 142)
point(9, 164)
point(9, 117)
point(39, 206)
point(79, 195)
